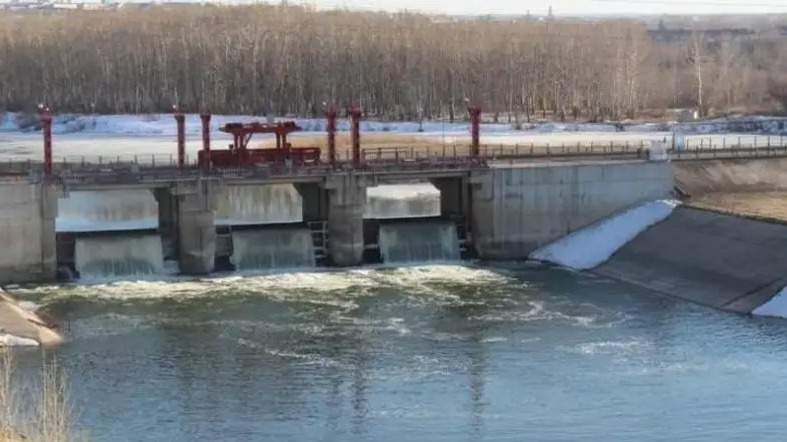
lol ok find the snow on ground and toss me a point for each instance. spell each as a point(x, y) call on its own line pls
point(777, 306)
point(163, 124)
point(151, 138)
point(593, 245)
point(7, 340)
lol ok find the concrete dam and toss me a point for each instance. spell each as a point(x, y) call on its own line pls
point(705, 253)
point(201, 225)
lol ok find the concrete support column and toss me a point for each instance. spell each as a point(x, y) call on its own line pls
point(168, 221)
point(315, 201)
point(346, 202)
point(454, 196)
point(194, 215)
point(48, 204)
point(28, 246)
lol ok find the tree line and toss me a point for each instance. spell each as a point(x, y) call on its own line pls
point(265, 59)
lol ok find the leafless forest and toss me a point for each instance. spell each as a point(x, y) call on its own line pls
point(291, 60)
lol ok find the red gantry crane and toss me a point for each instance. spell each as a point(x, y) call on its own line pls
point(239, 154)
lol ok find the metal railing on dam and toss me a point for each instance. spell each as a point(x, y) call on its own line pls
point(415, 161)
point(129, 169)
point(708, 153)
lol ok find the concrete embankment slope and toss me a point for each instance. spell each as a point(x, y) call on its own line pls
point(723, 261)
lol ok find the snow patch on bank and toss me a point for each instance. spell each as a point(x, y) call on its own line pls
point(7, 340)
point(592, 246)
point(163, 124)
point(776, 307)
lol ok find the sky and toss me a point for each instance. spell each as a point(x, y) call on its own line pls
point(565, 7)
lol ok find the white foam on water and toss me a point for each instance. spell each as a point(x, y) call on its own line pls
point(493, 339)
point(611, 347)
point(337, 292)
point(592, 246)
point(776, 306)
point(537, 312)
point(302, 358)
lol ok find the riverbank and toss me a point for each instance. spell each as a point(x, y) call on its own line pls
point(21, 327)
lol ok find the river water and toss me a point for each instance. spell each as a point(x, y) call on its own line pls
point(434, 353)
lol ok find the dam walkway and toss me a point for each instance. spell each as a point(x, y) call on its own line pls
point(396, 164)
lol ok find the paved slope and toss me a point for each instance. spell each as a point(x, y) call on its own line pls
point(722, 261)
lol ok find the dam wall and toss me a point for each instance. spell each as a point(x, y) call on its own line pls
point(500, 212)
point(518, 208)
point(27, 231)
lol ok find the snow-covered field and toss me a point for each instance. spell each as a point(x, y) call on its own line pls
point(592, 246)
point(150, 135)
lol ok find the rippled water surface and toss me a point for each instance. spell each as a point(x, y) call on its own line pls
point(439, 353)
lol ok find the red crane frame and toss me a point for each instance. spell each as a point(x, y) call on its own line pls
point(239, 154)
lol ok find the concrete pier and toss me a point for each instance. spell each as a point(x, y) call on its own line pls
point(168, 221)
point(27, 231)
point(196, 228)
point(454, 196)
point(346, 202)
point(518, 208)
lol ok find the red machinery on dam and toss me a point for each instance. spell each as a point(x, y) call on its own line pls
point(239, 153)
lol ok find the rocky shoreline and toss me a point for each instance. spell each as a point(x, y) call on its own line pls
point(21, 327)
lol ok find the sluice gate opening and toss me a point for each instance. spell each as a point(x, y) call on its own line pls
point(422, 241)
point(270, 248)
point(129, 254)
point(263, 227)
point(415, 223)
point(108, 234)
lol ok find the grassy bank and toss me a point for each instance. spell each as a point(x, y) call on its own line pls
point(34, 412)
